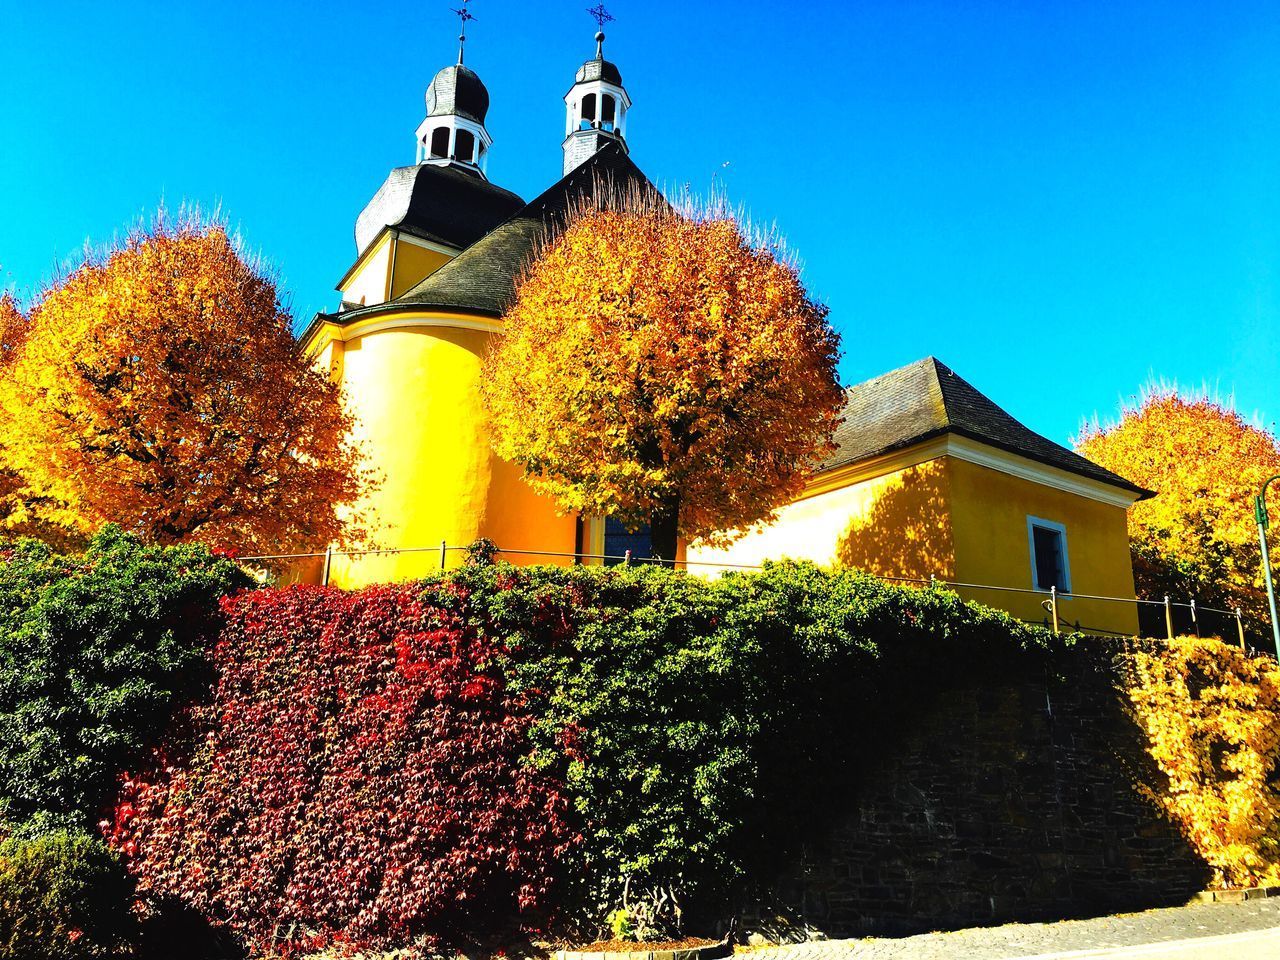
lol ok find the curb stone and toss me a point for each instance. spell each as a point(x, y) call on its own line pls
point(1236, 896)
point(711, 951)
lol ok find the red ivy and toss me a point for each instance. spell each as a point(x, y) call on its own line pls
point(357, 777)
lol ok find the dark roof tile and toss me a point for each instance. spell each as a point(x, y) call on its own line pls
point(928, 399)
point(482, 279)
point(458, 91)
point(445, 205)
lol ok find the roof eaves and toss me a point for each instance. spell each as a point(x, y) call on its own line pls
point(1105, 476)
point(1115, 481)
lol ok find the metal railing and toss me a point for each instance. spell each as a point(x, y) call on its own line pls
point(1052, 600)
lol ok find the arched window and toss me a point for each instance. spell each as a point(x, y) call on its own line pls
point(440, 143)
point(608, 112)
point(465, 147)
point(588, 112)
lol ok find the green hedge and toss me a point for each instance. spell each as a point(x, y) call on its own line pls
point(96, 653)
point(707, 730)
point(63, 896)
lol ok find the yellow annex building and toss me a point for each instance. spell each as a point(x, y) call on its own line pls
point(931, 477)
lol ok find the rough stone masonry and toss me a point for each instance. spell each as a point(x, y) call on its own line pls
point(1017, 802)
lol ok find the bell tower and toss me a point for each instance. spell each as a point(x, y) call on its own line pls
point(453, 133)
point(596, 106)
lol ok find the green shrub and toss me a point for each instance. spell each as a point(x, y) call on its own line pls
point(63, 896)
point(707, 730)
point(95, 653)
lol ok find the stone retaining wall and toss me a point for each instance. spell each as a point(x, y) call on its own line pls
point(1011, 803)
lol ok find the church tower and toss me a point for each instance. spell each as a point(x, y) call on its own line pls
point(453, 133)
point(595, 107)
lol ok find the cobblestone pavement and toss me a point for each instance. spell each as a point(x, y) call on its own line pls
point(1038, 939)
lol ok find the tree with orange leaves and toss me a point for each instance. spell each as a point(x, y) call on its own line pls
point(1197, 536)
point(160, 388)
point(660, 367)
point(13, 333)
point(13, 328)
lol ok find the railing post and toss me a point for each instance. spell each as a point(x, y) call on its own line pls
point(328, 560)
point(626, 559)
point(444, 553)
point(1168, 616)
point(1053, 605)
point(1264, 521)
point(1195, 621)
point(1240, 628)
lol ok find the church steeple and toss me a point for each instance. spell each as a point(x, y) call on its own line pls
point(453, 133)
point(596, 105)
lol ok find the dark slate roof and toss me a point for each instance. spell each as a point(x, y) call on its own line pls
point(444, 204)
point(482, 279)
point(458, 91)
point(928, 399)
point(599, 69)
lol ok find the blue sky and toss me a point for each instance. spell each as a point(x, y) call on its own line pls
point(1061, 200)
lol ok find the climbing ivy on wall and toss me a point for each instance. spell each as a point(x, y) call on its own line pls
point(355, 778)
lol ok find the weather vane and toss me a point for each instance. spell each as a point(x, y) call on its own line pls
point(601, 15)
point(464, 15)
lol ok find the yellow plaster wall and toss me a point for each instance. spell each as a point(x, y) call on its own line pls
point(414, 392)
point(989, 519)
point(516, 518)
point(413, 264)
point(368, 284)
point(896, 525)
point(328, 360)
point(959, 522)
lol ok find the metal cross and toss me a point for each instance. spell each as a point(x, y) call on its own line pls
point(600, 13)
point(464, 14)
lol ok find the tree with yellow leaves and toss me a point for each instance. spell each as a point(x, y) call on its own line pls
point(660, 367)
point(13, 328)
point(1197, 536)
point(160, 387)
point(13, 333)
point(1211, 715)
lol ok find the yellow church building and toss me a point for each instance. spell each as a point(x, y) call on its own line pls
point(931, 478)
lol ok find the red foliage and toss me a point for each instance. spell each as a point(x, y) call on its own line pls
point(356, 777)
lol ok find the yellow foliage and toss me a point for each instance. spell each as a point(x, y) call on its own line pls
point(658, 367)
point(14, 513)
point(1212, 719)
point(1197, 535)
point(161, 388)
point(13, 328)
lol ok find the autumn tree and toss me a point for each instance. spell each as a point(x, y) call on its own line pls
point(660, 366)
point(13, 328)
point(14, 512)
point(13, 331)
point(159, 387)
point(1197, 536)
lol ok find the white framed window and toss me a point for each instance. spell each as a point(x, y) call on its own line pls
point(1050, 566)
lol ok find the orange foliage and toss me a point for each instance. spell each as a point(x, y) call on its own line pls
point(13, 328)
point(1212, 719)
point(658, 367)
point(1197, 536)
point(13, 333)
point(161, 388)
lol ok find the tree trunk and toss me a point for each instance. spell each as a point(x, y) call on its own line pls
point(663, 527)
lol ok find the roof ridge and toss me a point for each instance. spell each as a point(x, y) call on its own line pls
point(926, 398)
point(482, 277)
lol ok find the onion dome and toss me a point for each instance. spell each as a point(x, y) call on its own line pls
point(458, 91)
point(599, 68)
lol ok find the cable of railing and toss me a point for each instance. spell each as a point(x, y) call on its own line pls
point(1051, 598)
